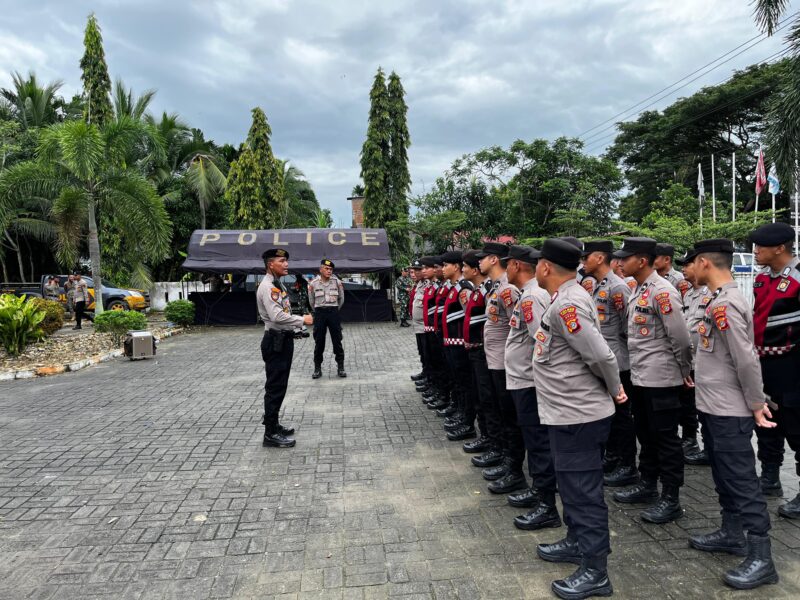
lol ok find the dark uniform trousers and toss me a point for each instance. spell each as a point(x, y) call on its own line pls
point(780, 374)
point(578, 459)
point(440, 375)
point(728, 441)
point(656, 412)
point(622, 440)
point(513, 445)
point(688, 419)
point(327, 319)
point(277, 351)
point(488, 418)
point(461, 378)
point(421, 350)
point(536, 439)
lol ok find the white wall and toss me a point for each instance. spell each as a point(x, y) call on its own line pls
point(167, 291)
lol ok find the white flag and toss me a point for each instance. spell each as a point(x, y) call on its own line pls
point(701, 190)
point(772, 180)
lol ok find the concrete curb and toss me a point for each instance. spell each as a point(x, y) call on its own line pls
point(74, 366)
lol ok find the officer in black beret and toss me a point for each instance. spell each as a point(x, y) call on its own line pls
point(326, 296)
point(665, 253)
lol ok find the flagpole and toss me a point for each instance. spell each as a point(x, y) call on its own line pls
point(773, 207)
point(733, 186)
point(713, 192)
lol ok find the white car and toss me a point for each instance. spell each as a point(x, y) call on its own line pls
point(743, 262)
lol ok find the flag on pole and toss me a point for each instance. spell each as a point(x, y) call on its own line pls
point(761, 173)
point(772, 179)
point(701, 190)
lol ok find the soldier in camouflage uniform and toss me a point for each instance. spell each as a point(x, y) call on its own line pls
point(403, 286)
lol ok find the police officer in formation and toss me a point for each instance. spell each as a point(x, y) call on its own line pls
point(571, 374)
point(325, 297)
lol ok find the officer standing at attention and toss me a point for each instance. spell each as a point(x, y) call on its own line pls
point(610, 297)
point(403, 286)
point(776, 322)
point(421, 379)
point(277, 345)
point(576, 378)
point(731, 402)
point(326, 296)
point(661, 362)
point(663, 264)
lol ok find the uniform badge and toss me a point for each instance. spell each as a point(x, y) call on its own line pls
point(527, 310)
point(493, 296)
point(506, 296)
point(588, 285)
point(644, 331)
point(702, 329)
point(664, 304)
point(512, 322)
point(646, 294)
point(462, 296)
point(492, 310)
point(539, 349)
point(602, 294)
point(569, 314)
point(540, 335)
point(639, 319)
point(683, 287)
point(705, 300)
point(783, 285)
point(275, 294)
point(721, 318)
point(619, 301)
point(642, 301)
point(704, 342)
point(631, 284)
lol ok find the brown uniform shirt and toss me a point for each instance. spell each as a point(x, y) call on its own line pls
point(528, 310)
point(274, 306)
point(417, 308)
point(728, 375)
point(694, 309)
point(325, 294)
point(576, 372)
point(611, 302)
point(499, 307)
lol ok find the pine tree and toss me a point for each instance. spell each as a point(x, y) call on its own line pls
point(254, 180)
point(375, 156)
point(399, 176)
point(96, 82)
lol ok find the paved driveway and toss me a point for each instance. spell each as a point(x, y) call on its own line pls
point(148, 480)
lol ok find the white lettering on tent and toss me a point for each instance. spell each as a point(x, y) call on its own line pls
point(338, 242)
point(276, 240)
point(246, 238)
point(209, 237)
point(368, 239)
point(308, 238)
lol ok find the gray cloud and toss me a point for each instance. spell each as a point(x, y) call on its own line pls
point(475, 73)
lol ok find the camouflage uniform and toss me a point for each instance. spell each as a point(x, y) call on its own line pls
point(403, 286)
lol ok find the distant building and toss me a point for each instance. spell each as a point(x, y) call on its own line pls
point(358, 210)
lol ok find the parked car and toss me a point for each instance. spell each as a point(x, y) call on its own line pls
point(113, 298)
point(743, 262)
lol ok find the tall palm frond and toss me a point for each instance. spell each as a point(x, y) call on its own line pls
point(33, 105)
point(207, 182)
point(126, 104)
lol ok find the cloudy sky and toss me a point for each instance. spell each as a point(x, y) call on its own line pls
point(476, 73)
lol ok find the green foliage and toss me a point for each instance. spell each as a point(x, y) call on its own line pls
point(96, 82)
point(32, 105)
point(118, 323)
point(20, 323)
point(180, 312)
point(54, 314)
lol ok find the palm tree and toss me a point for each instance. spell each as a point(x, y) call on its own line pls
point(83, 168)
point(298, 196)
point(128, 105)
point(33, 106)
point(27, 220)
point(206, 181)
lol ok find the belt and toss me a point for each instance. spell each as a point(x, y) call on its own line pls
point(471, 345)
point(453, 341)
point(326, 308)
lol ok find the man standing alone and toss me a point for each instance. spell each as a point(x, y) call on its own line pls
point(80, 298)
point(326, 296)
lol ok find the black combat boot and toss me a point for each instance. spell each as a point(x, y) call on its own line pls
point(543, 516)
point(690, 446)
point(419, 376)
point(757, 568)
point(697, 458)
point(489, 458)
point(729, 538)
point(438, 404)
point(510, 482)
point(771, 479)
point(340, 370)
point(610, 461)
point(590, 579)
point(317, 372)
point(621, 476)
point(667, 509)
point(482, 444)
point(566, 550)
point(527, 498)
point(273, 437)
point(287, 431)
point(464, 432)
point(790, 510)
point(498, 471)
point(644, 492)
point(430, 393)
point(447, 411)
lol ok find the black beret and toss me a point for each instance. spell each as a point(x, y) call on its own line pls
point(452, 257)
point(495, 248)
point(415, 264)
point(606, 246)
point(572, 240)
point(665, 250)
point(429, 261)
point(715, 245)
point(275, 253)
point(772, 234)
point(560, 252)
point(522, 253)
point(327, 263)
point(470, 257)
point(690, 255)
point(636, 245)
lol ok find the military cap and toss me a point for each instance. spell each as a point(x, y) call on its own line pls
point(690, 255)
point(636, 245)
point(452, 257)
point(415, 264)
point(665, 250)
point(522, 253)
point(572, 240)
point(429, 261)
point(560, 252)
point(772, 234)
point(716, 245)
point(470, 257)
point(275, 253)
point(496, 248)
point(606, 246)
point(327, 263)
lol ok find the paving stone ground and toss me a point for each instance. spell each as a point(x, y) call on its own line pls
point(148, 480)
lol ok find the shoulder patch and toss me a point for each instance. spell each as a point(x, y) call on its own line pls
point(276, 293)
point(588, 284)
point(527, 310)
point(619, 301)
point(664, 303)
point(721, 317)
point(569, 314)
point(463, 296)
point(506, 296)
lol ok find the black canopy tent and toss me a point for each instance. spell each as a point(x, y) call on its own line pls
point(239, 252)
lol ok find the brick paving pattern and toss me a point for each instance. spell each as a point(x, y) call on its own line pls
point(148, 480)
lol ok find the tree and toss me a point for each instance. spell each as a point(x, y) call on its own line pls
point(375, 156)
point(254, 188)
point(33, 105)
point(297, 196)
point(399, 178)
point(206, 181)
point(94, 75)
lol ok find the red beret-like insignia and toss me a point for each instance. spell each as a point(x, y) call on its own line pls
point(506, 296)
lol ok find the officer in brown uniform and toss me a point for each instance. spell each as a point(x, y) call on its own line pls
point(731, 402)
point(610, 297)
point(661, 362)
point(326, 296)
point(576, 378)
point(277, 345)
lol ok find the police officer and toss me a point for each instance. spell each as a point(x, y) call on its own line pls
point(665, 253)
point(661, 362)
point(528, 312)
point(277, 345)
point(576, 378)
point(610, 297)
point(731, 402)
point(403, 286)
point(776, 322)
point(422, 379)
point(436, 392)
point(326, 296)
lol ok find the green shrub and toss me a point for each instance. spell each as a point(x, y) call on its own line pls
point(20, 323)
point(119, 322)
point(53, 314)
point(180, 312)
